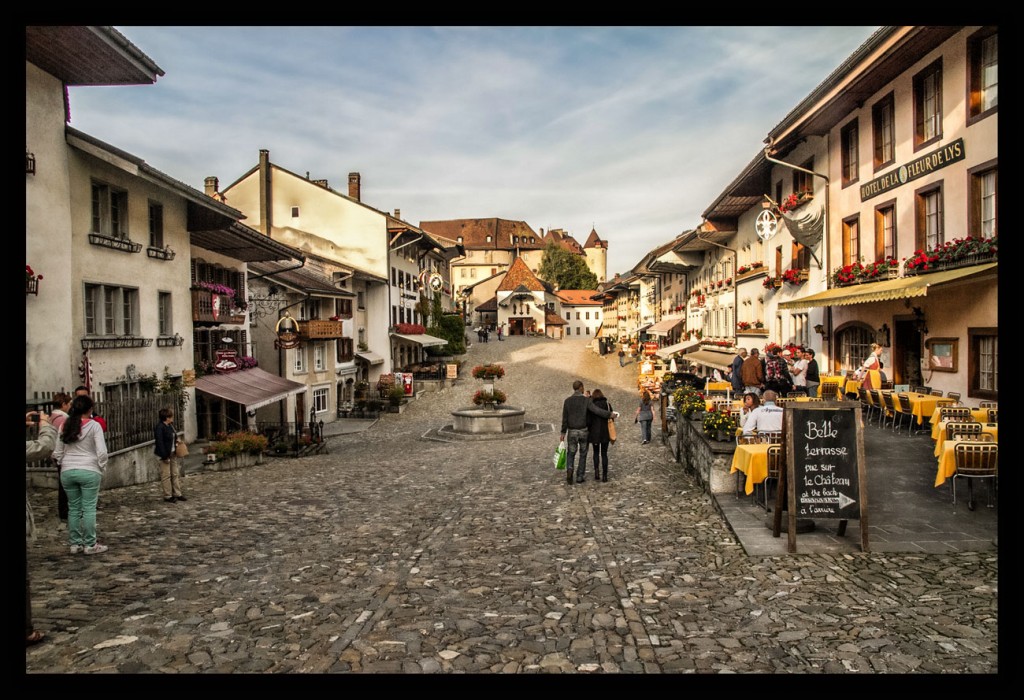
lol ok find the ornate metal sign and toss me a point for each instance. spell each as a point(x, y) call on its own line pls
point(287, 333)
point(767, 224)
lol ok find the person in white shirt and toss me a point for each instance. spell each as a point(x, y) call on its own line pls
point(765, 418)
point(798, 370)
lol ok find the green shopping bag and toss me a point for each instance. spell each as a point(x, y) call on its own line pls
point(559, 458)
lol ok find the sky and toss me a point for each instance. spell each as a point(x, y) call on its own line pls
point(631, 131)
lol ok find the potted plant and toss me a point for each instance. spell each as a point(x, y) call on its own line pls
point(488, 372)
point(720, 425)
point(489, 398)
point(793, 276)
point(688, 401)
point(795, 200)
point(396, 395)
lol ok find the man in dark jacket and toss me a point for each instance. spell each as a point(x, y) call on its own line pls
point(164, 439)
point(574, 430)
point(734, 376)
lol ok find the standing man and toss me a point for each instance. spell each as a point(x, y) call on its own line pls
point(734, 374)
point(752, 373)
point(575, 432)
point(165, 437)
point(811, 373)
point(501, 331)
point(622, 356)
point(799, 371)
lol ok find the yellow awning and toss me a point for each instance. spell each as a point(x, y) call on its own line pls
point(710, 358)
point(903, 288)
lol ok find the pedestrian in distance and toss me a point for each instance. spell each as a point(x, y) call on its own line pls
point(644, 416)
point(811, 373)
point(82, 454)
point(752, 373)
point(598, 435)
point(39, 448)
point(165, 439)
point(734, 375)
point(575, 410)
point(622, 357)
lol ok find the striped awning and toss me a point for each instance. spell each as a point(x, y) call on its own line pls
point(887, 290)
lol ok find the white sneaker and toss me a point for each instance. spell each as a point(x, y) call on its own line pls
point(76, 548)
point(96, 549)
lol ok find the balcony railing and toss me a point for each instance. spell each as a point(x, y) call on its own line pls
point(319, 330)
point(122, 244)
point(205, 311)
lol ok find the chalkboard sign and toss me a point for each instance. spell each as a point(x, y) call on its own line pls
point(825, 464)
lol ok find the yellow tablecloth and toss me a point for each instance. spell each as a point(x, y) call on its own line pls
point(947, 461)
point(838, 381)
point(752, 460)
point(939, 434)
point(718, 386)
point(924, 405)
point(710, 405)
point(852, 386)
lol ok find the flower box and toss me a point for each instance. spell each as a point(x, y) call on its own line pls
point(795, 201)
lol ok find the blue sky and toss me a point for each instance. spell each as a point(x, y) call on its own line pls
point(631, 130)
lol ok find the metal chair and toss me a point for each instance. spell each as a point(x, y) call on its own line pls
point(781, 402)
point(921, 389)
point(993, 415)
point(774, 469)
point(904, 409)
point(876, 398)
point(987, 404)
point(955, 395)
point(813, 398)
point(829, 389)
point(795, 394)
point(936, 392)
point(955, 429)
point(866, 404)
point(773, 437)
point(958, 413)
point(890, 408)
point(976, 460)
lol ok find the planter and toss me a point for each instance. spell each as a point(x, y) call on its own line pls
point(753, 331)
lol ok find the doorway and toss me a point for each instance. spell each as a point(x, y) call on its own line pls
point(906, 353)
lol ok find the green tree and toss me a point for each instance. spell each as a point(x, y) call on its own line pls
point(564, 269)
point(448, 327)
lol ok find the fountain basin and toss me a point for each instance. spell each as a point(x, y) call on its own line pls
point(486, 420)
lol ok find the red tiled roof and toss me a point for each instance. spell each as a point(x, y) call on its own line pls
point(489, 305)
point(594, 241)
point(577, 297)
point(564, 240)
point(505, 234)
point(520, 274)
point(552, 319)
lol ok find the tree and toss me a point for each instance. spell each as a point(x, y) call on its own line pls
point(564, 269)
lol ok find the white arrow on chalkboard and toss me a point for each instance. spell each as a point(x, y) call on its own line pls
point(845, 500)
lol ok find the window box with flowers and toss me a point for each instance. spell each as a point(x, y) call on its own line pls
point(960, 252)
point(794, 276)
point(488, 372)
point(31, 280)
point(720, 425)
point(751, 328)
point(795, 201)
point(771, 283)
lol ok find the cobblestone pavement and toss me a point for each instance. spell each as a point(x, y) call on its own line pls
point(394, 554)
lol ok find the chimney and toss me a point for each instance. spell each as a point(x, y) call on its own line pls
point(398, 213)
point(353, 186)
point(211, 186)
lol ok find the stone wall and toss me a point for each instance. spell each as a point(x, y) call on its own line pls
point(708, 459)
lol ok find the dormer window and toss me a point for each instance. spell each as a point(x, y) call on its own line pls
point(488, 239)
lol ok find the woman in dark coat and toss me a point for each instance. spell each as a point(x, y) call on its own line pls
point(598, 436)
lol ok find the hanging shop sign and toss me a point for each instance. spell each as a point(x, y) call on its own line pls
point(919, 167)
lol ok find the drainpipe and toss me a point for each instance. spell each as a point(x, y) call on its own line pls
point(825, 235)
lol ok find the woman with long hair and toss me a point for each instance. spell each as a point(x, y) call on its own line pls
point(82, 453)
point(598, 436)
point(644, 416)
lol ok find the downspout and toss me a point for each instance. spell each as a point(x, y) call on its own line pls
point(825, 234)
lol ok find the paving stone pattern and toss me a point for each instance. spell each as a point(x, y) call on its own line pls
point(399, 555)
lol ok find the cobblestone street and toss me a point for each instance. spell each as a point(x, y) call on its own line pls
point(396, 554)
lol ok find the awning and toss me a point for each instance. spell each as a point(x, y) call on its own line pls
point(253, 388)
point(664, 327)
point(597, 333)
point(421, 339)
point(709, 358)
point(371, 357)
point(669, 350)
point(887, 290)
point(641, 329)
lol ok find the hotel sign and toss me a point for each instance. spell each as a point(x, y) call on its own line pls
point(919, 167)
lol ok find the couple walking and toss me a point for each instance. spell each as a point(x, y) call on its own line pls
point(585, 423)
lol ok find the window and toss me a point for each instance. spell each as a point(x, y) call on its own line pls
point(299, 363)
point(848, 136)
point(319, 357)
point(472, 273)
point(166, 327)
point(109, 211)
point(928, 209)
point(851, 240)
point(928, 105)
point(111, 310)
point(156, 225)
point(295, 212)
point(778, 191)
point(587, 315)
point(588, 330)
point(983, 211)
point(309, 309)
point(321, 395)
point(577, 330)
point(854, 344)
point(885, 231)
point(206, 343)
point(462, 273)
point(343, 308)
point(577, 315)
point(361, 299)
point(568, 315)
point(804, 182)
point(983, 79)
point(801, 257)
point(344, 350)
point(983, 363)
point(883, 131)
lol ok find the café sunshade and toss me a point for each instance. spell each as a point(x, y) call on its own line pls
point(253, 388)
point(887, 290)
point(422, 339)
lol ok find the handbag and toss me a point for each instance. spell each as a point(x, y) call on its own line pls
point(559, 458)
point(611, 431)
point(180, 449)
